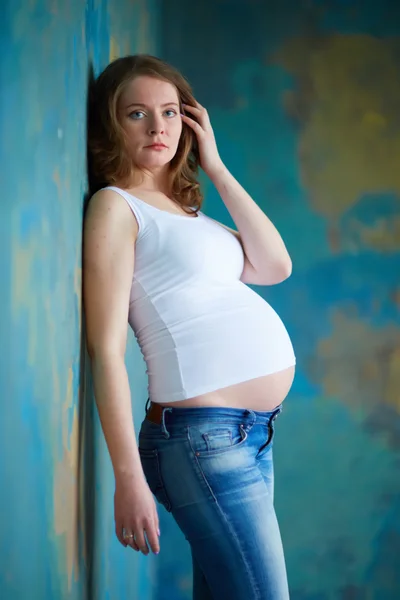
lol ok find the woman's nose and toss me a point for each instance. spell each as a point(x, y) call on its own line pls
point(156, 131)
point(156, 126)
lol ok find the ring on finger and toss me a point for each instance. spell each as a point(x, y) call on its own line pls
point(128, 536)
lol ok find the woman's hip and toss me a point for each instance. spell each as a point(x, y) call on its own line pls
point(214, 472)
point(206, 451)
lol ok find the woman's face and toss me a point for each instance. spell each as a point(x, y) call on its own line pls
point(149, 114)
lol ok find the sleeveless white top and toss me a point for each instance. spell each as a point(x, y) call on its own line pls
point(198, 326)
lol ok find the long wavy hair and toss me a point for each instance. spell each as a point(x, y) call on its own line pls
point(109, 158)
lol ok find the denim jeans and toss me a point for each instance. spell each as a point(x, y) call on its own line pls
point(212, 468)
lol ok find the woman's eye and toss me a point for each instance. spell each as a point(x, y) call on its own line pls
point(139, 114)
point(136, 115)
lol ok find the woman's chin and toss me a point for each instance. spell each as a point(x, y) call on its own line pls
point(156, 163)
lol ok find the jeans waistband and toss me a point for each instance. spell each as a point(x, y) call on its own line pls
point(172, 415)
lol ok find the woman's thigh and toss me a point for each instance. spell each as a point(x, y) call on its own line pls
point(236, 539)
point(222, 501)
point(201, 589)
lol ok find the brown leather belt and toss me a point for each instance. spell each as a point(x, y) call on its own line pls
point(154, 413)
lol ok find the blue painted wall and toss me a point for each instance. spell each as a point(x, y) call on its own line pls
point(56, 517)
point(304, 101)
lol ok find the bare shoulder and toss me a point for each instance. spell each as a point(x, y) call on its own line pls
point(108, 207)
point(110, 229)
point(108, 266)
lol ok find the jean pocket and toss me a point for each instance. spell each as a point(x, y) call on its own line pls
point(151, 467)
point(206, 440)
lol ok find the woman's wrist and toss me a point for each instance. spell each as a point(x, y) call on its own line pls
point(129, 474)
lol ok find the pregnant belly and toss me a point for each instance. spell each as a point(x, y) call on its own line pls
point(262, 393)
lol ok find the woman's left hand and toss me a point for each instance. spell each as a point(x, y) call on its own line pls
point(210, 160)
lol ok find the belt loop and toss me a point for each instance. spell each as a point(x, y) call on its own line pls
point(164, 429)
point(146, 408)
point(249, 420)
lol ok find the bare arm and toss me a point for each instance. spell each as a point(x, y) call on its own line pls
point(108, 261)
point(109, 239)
point(266, 259)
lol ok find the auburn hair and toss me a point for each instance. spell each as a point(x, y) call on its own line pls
point(110, 161)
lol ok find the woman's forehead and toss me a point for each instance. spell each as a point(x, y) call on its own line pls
point(149, 90)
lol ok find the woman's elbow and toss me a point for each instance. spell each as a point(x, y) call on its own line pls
point(286, 268)
point(281, 272)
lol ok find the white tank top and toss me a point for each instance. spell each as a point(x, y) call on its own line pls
point(198, 326)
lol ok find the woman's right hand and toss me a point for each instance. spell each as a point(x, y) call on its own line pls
point(136, 513)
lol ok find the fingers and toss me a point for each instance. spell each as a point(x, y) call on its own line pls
point(119, 532)
point(157, 523)
point(132, 543)
point(149, 534)
point(197, 128)
point(137, 539)
point(196, 110)
point(152, 536)
point(141, 541)
point(126, 537)
point(200, 112)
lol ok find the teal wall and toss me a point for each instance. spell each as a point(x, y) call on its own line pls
point(56, 516)
point(304, 100)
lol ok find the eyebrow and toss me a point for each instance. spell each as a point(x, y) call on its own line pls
point(144, 106)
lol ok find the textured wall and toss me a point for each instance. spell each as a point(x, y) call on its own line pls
point(304, 100)
point(55, 542)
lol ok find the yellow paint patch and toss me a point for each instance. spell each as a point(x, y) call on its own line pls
point(347, 102)
point(393, 384)
point(360, 364)
point(114, 49)
point(25, 303)
point(135, 39)
point(383, 235)
point(145, 43)
point(66, 493)
point(396, 296)
point(373, 119)
point(40, 303)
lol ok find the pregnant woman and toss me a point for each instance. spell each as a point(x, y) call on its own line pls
point(219, 359)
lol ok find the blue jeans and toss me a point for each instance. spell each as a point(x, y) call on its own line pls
point(212, 468)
